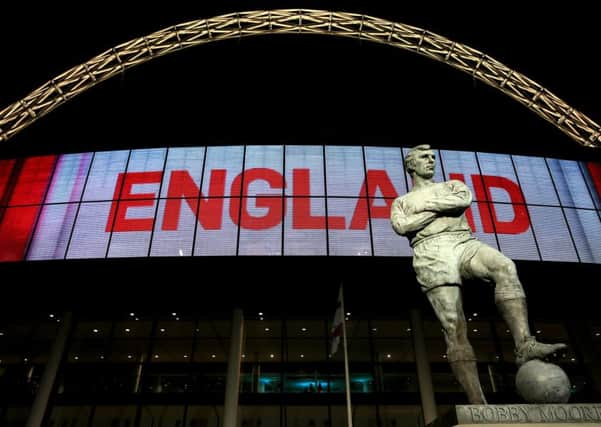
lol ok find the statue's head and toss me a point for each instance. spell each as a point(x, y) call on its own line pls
point(420, 161)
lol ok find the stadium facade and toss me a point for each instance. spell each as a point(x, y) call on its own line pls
point(134, 257)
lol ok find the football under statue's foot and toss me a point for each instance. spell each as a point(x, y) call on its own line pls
point(532, 349)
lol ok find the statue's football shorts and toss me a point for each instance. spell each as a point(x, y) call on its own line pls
point(445, 260)
point(441, 260)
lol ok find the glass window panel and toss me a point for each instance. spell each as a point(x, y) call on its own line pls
point(401, 415)
point(351, 241)
point(586, 229)
point(221, 238)
point(263, 328)
point(53, 231)
point(305, 381)
point(16, 416)
point(171, 351)
point(355, 328)
point(389, 161)
point(363, 416)
point(258, 416)
point(129, 350)
point(69, 178)
point(344, 170)
point(305, 226)
point(211, 350)
point(304, 170)
point(92, 329)
point(359, 350)
point(386, 241)
point(305, 328)
point(261, 226)
point(90, 237)
point(570, 183)
point(133, 329)
point(515, 246)
point(263, 350)
point(393, 350)
point(102, 179)
point(174, 236)
point(183, 172)
point(214, 328)
point(221, 160)
point(205, 416)
point(391, 328)
point(105, 416)
point(552, 234)
point(71, 416)
point(308, 350)
point(175, 329)
point(311, 416)
point(438, 177)
point(535, 180)
point(88, 351)
point(162, 415)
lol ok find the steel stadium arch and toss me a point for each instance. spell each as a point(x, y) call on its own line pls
point(80, 78)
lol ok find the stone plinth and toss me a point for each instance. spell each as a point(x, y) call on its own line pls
point(522, 415)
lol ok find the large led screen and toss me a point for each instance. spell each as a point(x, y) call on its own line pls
point(283, 200)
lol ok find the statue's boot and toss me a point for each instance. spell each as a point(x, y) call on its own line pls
point(466, 373)
point(515, 314)
point(531, 349)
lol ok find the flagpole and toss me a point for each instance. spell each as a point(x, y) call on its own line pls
point(349, 415)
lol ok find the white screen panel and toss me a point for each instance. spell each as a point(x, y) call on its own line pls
point(304, 170)
point(385, 172)
point(552, 234)
point(586, 230)
point(220, 161)
point(462, 165)
point(499, 177)
point(349, 241)
point(305, 226)
point(147, 160)
point(53, 230)
point(174, 237)
point(220, 238)
point(263, 167)
point(261, 226)
point(90, 237)
point(69, 178)
point(386, 241)
point(138, 216)
point(519, 245)
point(535, 180)
point(183, 172)
point(570, 183)
point(102, 180)
point(344, 171)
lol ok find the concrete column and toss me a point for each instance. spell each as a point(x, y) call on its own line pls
point(424, 376)
point(40, 403)
point(232, 385)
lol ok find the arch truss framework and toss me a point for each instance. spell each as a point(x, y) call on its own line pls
point(78, 79)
